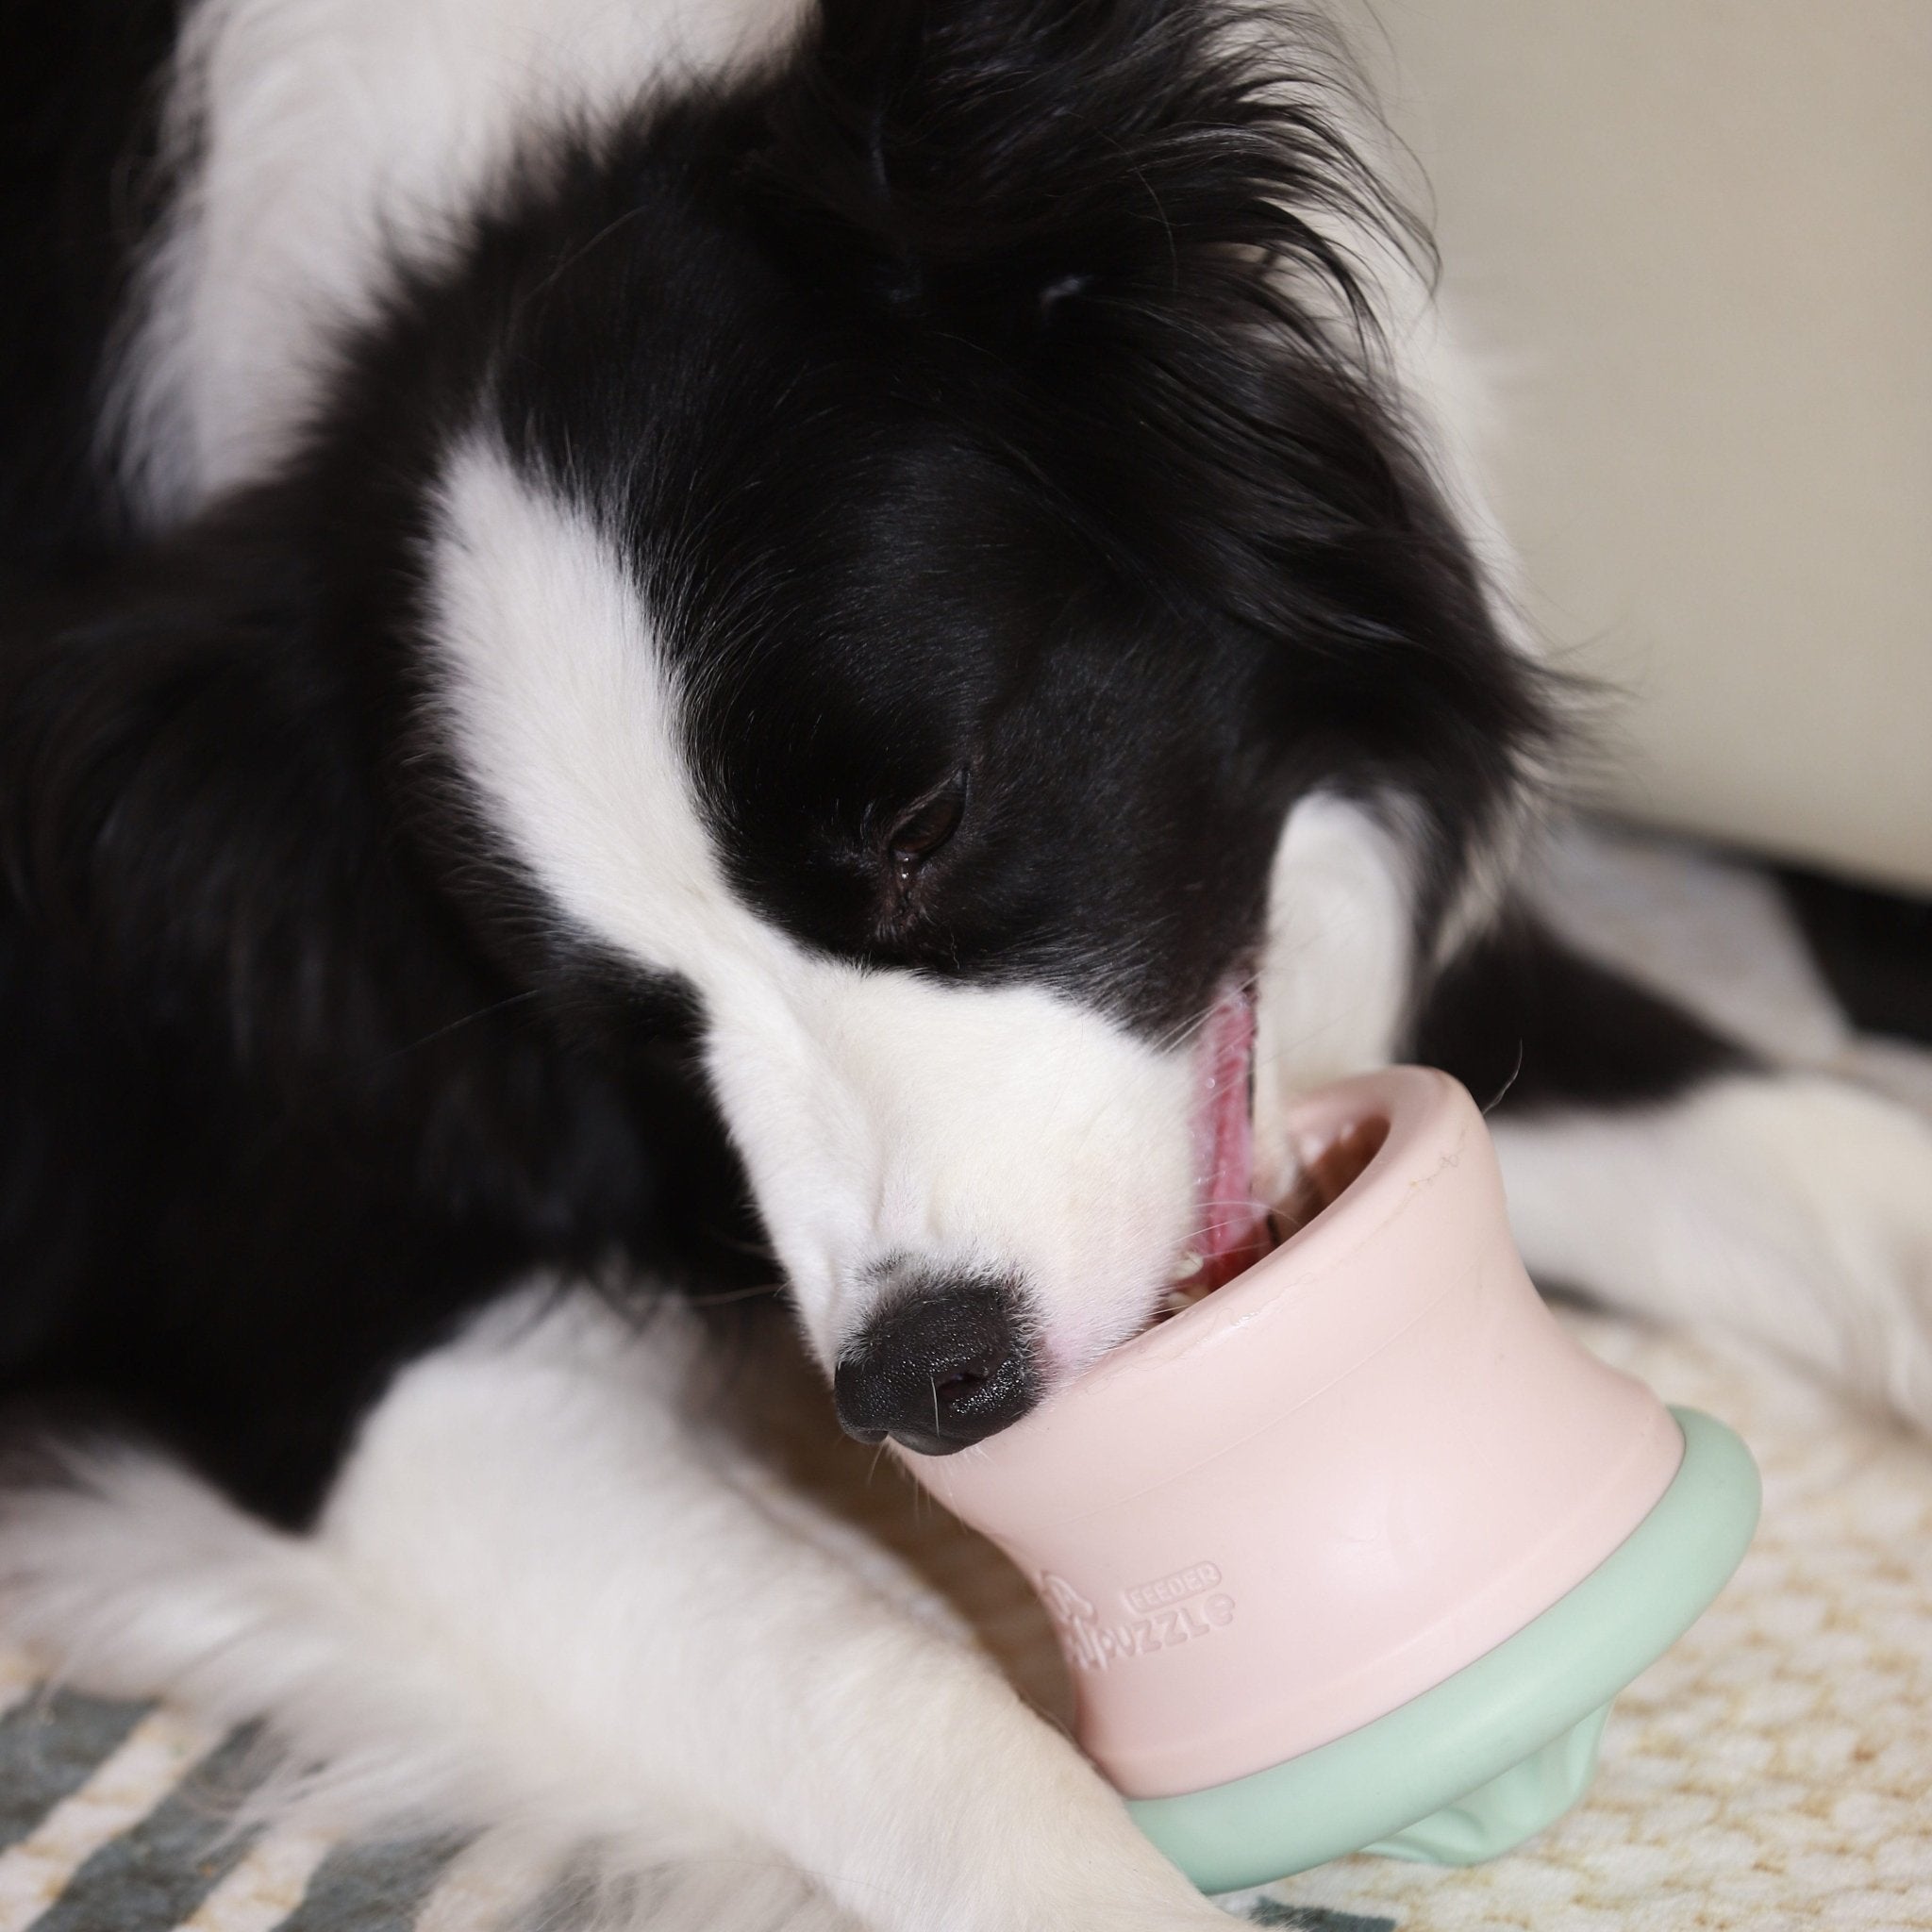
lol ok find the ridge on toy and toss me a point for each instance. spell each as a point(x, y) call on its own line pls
point(1354, 1550)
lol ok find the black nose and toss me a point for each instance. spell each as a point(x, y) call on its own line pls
point(942, 1366)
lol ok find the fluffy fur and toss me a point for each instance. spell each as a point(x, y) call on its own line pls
point(649, 648)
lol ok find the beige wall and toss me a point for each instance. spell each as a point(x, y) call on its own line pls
point(1695, 238)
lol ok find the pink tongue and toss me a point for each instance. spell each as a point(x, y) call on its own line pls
point(1233, 1227)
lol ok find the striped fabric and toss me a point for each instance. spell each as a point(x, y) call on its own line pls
point(114, 1818)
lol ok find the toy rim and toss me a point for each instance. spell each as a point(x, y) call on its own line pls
point(1398, 1097)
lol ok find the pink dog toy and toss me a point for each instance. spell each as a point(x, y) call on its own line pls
point(1355, 1550)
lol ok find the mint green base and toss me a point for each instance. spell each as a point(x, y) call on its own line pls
point(1490, 1755)
point(1515, 1804)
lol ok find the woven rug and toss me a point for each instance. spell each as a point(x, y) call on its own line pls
point(1773, 1771)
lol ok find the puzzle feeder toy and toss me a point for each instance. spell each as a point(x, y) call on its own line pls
point(1355, 1551)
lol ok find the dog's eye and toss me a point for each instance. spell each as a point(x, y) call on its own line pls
point(927, 827)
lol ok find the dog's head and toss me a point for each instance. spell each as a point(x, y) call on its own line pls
point(933, 519)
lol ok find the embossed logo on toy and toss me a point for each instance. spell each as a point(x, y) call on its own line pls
point(1169, 1610)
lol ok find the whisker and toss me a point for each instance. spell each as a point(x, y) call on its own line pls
point(1502, 1092)
point(515, 999)
point(724, 1297)
point(1260, 1214)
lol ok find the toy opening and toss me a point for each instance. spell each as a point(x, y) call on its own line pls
point(1325, 1176)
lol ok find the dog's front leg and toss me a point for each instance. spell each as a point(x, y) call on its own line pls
point(539, 1506)
point(546, 1594)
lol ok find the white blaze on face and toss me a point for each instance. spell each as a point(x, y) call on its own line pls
point(984, 1130)
point(883, 1118)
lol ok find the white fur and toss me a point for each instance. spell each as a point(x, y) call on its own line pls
point(543, 1597)
point(882, 1116)
point(331, 138)
point(1793, 1209)
point(1331, 996)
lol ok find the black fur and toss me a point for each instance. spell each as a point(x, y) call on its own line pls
point(944, 386)
point(1523, 1017)
point(79, 102)
point(1874, 947)
point(272, 1114)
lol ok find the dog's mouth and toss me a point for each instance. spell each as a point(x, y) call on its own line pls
point(1231, 1227)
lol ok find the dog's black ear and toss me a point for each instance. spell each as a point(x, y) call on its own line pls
point(998, 160)
point(1165, 219)
point(188, 817)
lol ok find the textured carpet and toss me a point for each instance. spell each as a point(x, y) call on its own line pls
point(1773, 1771)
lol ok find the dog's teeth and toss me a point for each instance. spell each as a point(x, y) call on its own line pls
point(1192, 1264)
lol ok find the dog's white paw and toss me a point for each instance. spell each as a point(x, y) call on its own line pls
point(1840, 1252)
point(1877, 1197)
point(1792, 1208)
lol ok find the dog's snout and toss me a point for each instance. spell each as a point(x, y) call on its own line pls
point(941, 1367)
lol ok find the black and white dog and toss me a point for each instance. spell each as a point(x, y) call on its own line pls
point(647, 645)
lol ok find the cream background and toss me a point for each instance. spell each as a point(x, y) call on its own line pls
point(1693, 244)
